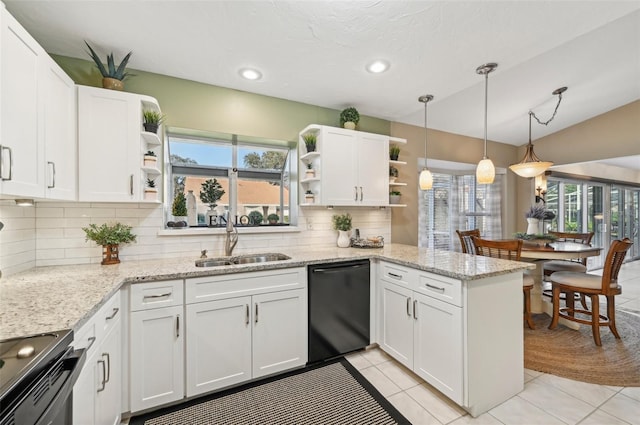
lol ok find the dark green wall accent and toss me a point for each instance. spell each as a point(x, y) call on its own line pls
point(199, 106)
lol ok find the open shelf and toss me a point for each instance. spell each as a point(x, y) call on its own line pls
point(151, 138)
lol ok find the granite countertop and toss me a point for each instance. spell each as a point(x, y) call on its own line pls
point(64, 297)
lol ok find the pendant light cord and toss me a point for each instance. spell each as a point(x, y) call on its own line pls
point(486, 103)
point(555, 111)
point(425, 99)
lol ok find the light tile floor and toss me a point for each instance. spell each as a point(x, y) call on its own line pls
point(546, 399)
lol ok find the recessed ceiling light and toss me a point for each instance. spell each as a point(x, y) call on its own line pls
point(250, 74)
point(378, 66)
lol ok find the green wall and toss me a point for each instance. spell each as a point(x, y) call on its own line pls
point(199, 106)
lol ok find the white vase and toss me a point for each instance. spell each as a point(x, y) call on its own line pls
point(192, 209)
point(533, 227)
point(211, 217)
point(344, 241)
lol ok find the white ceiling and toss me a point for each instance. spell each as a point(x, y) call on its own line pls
point(316, 51)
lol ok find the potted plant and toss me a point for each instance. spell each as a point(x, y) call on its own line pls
point(534, 214)
point(394, 151)
point(309, 172)
point(152, 120)
point(394, 197)
point(393, 174)
point(310, 140)
point(112, 76)
point(109, 236)
point(210, 194)
point(150, 192)
point(273, 218)
point(309, 197)
point(342, 223)
point(179, 210)
point(349, 118)
point(150, 159)
point(255, 218)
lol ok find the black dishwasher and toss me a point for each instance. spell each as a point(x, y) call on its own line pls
point(338, 308)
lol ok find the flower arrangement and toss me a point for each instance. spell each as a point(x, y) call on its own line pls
point(536, 211)
point(341, 222)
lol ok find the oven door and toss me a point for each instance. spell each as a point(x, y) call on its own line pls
point(48, 400)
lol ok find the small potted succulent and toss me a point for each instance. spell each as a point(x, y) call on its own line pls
point(110, 236)
point(342, 223)
point(394, 152)
point(394, 197)
point(310, 140)
point(112, 76)
point(152, 120)
point(151, 192)
point(273, 218)
point(349, 118)
point(150, 159)
point(309, 172)
point(309, 198)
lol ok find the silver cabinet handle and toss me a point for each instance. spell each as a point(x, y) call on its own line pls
point(434, 288)
point(108, 378)
point(131, 184)
point(115, 312)
point(146, 297)
point(409, 306)
point(7, 148)
point(415, 309)
point(246, 321)
point(178, 326)
point(104, 374)
point(395, 276)
point(355, 190)
point(92, 340)
point(256, 312)
point(53, 175)
point(361, 193)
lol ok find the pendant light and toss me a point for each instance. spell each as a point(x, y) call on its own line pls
point(426, 178)
point(531, 165)
point(485, 172)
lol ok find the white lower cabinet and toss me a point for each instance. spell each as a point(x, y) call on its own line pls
point(97, 392)
point(156, 344)
point(248, 325)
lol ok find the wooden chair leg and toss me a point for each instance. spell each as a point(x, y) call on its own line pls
point(583, 301)
point(611, 314)
point(527, 307)
point(595, 319)
point(570, 302)
point(556, 307)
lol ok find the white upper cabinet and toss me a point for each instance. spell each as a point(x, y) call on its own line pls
point(37, 119)
point(112, 144)
point(351, 167)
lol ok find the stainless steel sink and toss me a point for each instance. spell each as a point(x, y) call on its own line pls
point(241, 259)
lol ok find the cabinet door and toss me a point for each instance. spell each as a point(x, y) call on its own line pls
point(339, 152)
point(84, 392)
point(157, 357)
point(373, 176)
point(61, 149)
point(396, 324)
point(109, 370)
point(438, 345)
point(109, 149)
point(279, 331)
point(21, 141)
point(218, 344)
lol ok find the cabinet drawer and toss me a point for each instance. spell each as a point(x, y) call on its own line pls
point(145, 296)
point(440, 287)
point(210, 288)
point(400, 275)
point(108, 316)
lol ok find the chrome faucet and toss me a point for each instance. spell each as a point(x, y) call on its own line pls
point(232, 236)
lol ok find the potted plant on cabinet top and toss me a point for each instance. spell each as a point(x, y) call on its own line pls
point(210, 194)
point(273, 218)
point(150, 159)
point(152, 120)
point(394, 197)
point(110, 236)
point(179, 210)
point(150, 192)
point(112, 76)
point(310, 140)
point(394, 152)
point(349, 118)
point(342, 223)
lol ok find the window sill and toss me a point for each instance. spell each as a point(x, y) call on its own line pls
point(195, 231)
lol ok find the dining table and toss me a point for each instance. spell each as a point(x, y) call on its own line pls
point(543, 252)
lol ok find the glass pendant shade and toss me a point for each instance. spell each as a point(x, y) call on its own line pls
point(530, 165)
point(485, 172)
point(426, 179)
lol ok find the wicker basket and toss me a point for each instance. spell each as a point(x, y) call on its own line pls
point(374, 242)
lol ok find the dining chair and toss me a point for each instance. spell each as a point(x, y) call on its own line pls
point(592, 286)
point(508, 250)
point(465, 240)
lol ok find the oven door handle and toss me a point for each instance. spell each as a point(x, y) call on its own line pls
point(72, 364)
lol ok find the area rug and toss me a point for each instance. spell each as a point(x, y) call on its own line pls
point(333, 393)
point(573, 354)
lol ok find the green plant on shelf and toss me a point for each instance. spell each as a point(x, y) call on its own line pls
point(111, 71)
point(152, 116)
point(151, 183)
point(310, 140)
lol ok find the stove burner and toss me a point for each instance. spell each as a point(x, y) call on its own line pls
point(26, 351)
